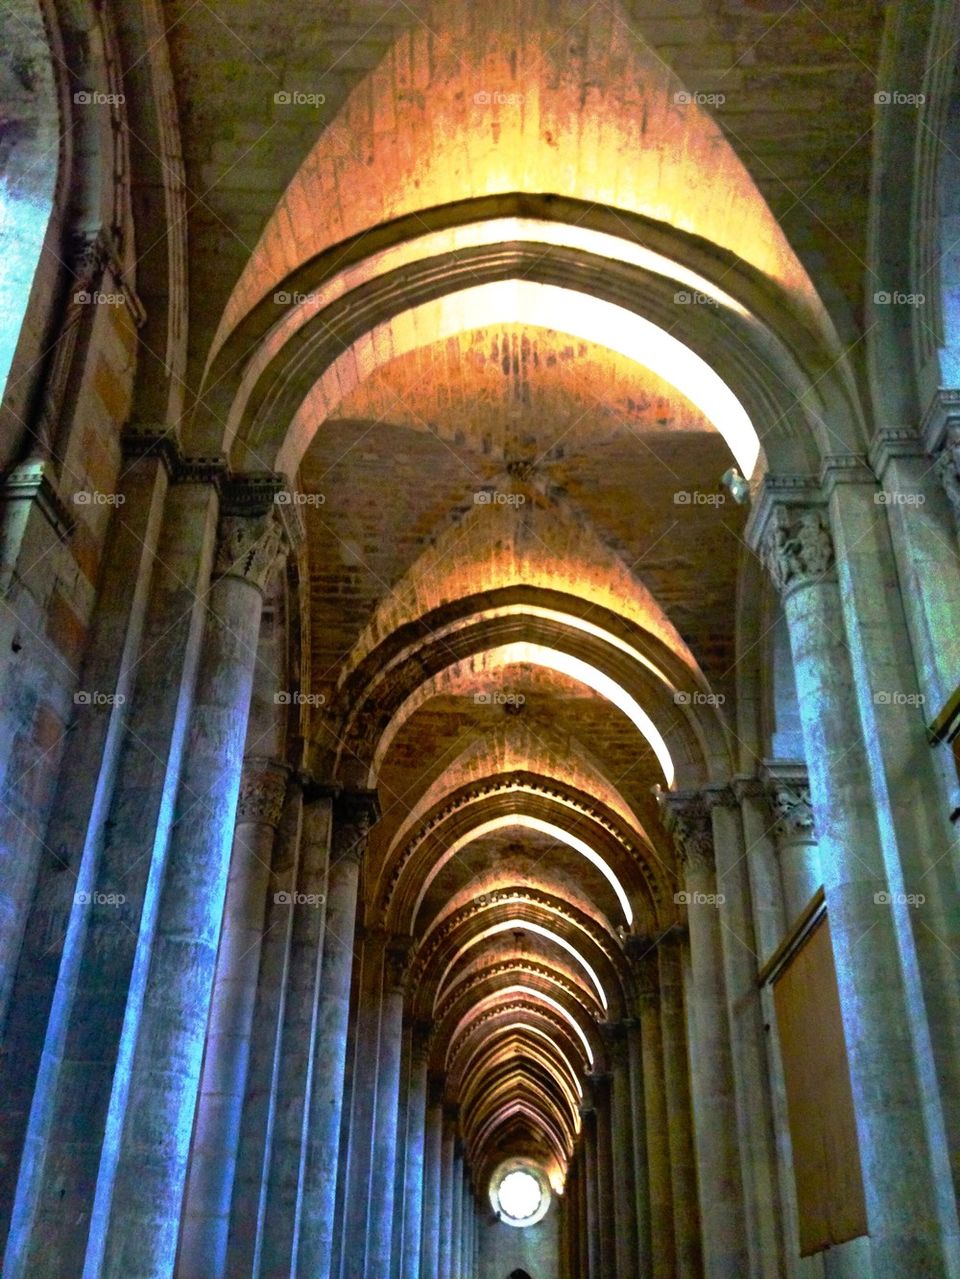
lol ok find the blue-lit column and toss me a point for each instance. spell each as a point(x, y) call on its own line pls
point(725, 1250)
point(910, 1204)
point(456, 1234)
point(447, 1161)
point(432, 1173)
point(415, 1155)
point(206, 1216)
point(354, 812)
point(136, 1213)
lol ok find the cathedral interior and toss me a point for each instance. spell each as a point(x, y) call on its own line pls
point(479, 639)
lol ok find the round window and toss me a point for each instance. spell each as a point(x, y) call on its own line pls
point(520, 1193)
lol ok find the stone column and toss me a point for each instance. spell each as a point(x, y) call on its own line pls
point(650, 1104)
point(258, 1122)
point(139, 1193)
point(711, 1064)
point(797, 851)
point(109, 914)
point(590, 1166)
point(606, 1211)
point(445, 1268)
point(206, 1217)
point(623, 1123)
point(456, 1234)
point(582, 1268)
point(415, 1170)
point(676, 1073)
point(757, 1147)
point(308, 907)
point(432, 1172)
point(912, 1217)
point(354, 812)
point(383, 1178)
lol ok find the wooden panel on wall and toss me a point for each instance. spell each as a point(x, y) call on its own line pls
point(826, 1155)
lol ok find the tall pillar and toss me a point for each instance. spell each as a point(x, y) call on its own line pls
point(354, 812)
point(259, 1119)
point(711, 1062)
point(109, 916)
point(445, 1268)
point(457, 1231)
point(308, 906)
point(383, 1178)
point(756, 1144)
point(582, 1267)
point(589, 1116)
point(676, 1073)
point(206, 1216)
point(646, 1049)
point(432, 1174)
point(606, 1210)
point(910, 1207)
point(415, 1169)
point(139, 1193)
point(623, 1123)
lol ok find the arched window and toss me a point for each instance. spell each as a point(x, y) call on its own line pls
point(29, 156)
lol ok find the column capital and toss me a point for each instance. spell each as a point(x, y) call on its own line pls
point(397, 955)
point(798, 546)
point(890, 442)
point(248, 547)
point(151, 439)
point(686, 817)
point(788, 791)
point(948, 466)
point(614, 1035)
point(354, 813)
point(263, 788)
point(421, 1033)
point(436, 1088)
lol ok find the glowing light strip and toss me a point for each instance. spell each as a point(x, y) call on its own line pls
point(539, 929)
point(544, 828)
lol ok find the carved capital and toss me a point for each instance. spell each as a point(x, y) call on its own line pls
point(420, 1040)
point(263, 787)
point(436, 1088)
point(615, 1037)
point(948, 468)
point(792, 810)
point(686, 817)
point(248, 547)
point(396, 963)
point(798, 546)
point(354, 812)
